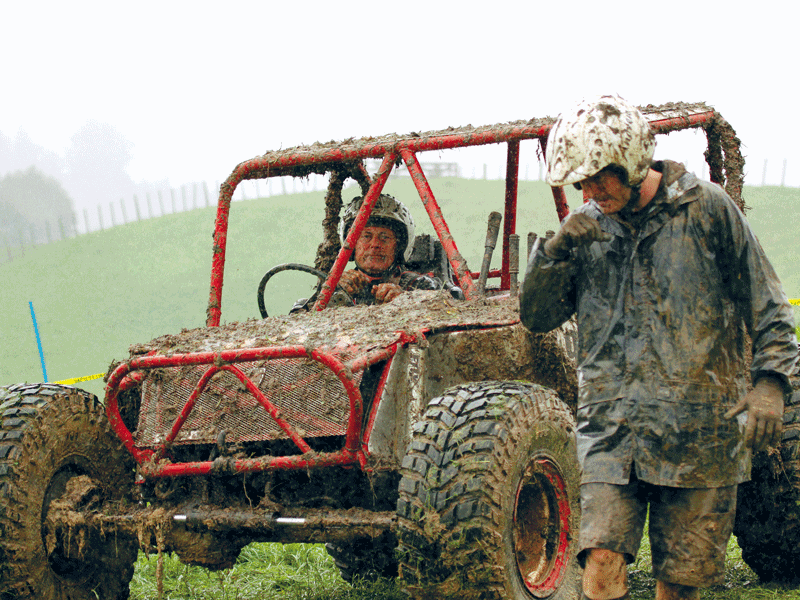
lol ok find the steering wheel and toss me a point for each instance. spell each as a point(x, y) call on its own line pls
point(296, 267)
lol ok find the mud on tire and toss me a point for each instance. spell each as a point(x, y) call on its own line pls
point(489, 498)
point(767, 522)
point(50, 436)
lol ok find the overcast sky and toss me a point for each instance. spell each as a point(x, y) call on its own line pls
point(199, 86)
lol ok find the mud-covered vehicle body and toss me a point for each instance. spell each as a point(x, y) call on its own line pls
point(431, 437)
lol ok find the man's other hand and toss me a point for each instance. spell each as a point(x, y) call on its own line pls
point(764, 406)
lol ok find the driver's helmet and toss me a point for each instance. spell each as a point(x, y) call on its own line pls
point(389, 213)
point(595, 134)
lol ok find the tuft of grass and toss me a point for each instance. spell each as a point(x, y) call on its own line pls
point(307, 572)
point(263, 570)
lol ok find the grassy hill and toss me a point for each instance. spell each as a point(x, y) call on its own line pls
point(97, 294)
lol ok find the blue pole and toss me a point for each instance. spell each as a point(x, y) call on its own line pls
point(38, 341)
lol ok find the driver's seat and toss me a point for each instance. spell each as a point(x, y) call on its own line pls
point(428, 258)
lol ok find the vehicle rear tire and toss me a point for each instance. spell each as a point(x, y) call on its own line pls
point(52, 438)
point(767, 522)
point(489, 502)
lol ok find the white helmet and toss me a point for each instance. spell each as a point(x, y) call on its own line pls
point(387, 212)
point(595, 134)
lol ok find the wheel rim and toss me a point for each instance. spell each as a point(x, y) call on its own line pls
point(541, 527)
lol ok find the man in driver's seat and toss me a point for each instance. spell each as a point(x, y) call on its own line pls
point(381, 253)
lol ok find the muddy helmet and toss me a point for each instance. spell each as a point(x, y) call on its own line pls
point(387, 212)
point(595, 134)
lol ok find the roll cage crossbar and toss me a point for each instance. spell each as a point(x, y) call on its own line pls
point(723, 157)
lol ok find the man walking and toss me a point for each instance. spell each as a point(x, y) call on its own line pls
point(666, 279)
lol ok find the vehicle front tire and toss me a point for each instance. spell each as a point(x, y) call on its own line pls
point(56, 445)
point(489, 502)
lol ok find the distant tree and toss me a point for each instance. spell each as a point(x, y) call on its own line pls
point(12, 223)
point(97, 162)
point(30, 198)
point(22, 152)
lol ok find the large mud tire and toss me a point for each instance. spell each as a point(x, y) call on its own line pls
point(51, 435)
point(768, 506)
point(489, 499)
point(365, 558)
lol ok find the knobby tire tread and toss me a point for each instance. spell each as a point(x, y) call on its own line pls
point(42, 427)
point(450, 506)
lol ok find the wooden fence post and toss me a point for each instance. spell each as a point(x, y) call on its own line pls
point(113, 219)
point(161, 203)
point(136, 207)
point(124, 213)
point(100, 216)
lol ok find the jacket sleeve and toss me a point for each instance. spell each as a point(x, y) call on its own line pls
point(548, 291)
point(764, 306)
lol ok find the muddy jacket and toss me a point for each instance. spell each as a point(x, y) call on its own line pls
point(662, 309)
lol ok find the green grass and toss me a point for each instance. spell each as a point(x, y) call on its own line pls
point(775, 217)
point(307, 572)
point(274, 571)
point(97, 294)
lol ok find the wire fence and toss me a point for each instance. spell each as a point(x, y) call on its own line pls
point(197, 195)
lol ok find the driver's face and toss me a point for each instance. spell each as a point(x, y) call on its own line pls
point(375, 250)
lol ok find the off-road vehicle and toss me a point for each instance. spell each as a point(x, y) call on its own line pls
point(430, 438)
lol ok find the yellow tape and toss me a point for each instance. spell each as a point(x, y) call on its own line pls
point(796, 301)
point(79, 379)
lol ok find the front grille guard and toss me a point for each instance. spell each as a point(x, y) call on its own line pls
point(156, 463)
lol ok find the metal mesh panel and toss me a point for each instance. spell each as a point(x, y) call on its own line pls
point(307, 395)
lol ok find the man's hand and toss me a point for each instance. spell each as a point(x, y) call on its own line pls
point(386, 292)
point(353, 281)
point(764, 406)
point(579, 230)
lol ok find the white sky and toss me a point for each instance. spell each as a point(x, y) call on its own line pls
point(199, 86)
